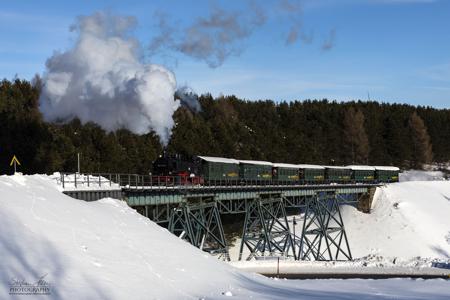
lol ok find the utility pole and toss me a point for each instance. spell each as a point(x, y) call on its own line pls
point(78, 156)
point(293, 225)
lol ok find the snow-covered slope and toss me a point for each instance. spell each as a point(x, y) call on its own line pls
point(408, 219)
point(105, 250)
point(418, 175)
point(97, 249)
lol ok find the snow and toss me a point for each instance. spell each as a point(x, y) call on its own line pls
point(361, 168)
point(417, 175)
point(409, 219)
point(303, 166)
point(364, 267)
point(219, 159)
point(106, 250)
point(255, 162)
point(386, 168)
point(283, 165)
point(336, 167)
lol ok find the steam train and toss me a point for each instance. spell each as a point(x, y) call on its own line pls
point(207, 170)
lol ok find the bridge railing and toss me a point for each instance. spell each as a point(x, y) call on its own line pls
point(94, 180)
point(105, 180)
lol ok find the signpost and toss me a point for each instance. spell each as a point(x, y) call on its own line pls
point(15, 162)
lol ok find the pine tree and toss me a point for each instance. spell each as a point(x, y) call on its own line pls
point(355, 135)
point(422, 149)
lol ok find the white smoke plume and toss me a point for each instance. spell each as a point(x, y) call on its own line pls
point(102, 79)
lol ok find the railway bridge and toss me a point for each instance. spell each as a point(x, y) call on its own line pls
point(193, 212)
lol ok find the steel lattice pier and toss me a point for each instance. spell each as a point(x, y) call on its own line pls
point(194, 214)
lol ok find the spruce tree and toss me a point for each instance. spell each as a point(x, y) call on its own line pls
point(355, 135)
point(422, 149)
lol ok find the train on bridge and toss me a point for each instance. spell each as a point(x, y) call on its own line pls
point(207, 170)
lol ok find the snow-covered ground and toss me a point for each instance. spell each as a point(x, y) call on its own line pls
point(408, 220)
point(106, 250)
point(418, 175)
point(368, 267)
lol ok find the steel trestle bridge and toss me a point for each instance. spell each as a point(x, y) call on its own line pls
point(193, 212)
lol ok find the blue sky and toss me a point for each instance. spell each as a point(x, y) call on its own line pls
point(395, 50)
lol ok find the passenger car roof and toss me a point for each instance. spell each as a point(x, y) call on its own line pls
point(386, 168)
point(256, 162)
point(305, 166)
point(219, 159)
point(361, 168)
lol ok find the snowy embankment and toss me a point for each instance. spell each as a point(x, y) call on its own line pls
point(105, 250)
point(419, 175)
point(408, 220)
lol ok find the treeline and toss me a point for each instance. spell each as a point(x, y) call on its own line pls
point(318, 132)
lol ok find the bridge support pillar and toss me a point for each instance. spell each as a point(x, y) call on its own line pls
point(266, 229)
point(323, 234)
point(365, 201)
point(200, 225)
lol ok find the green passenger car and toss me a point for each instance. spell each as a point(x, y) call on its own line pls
point(252, 170)
point(337, 174)
point(386, 174)
point(285, 172)
point(362, 173)
point(311, 173)
point(219, 169)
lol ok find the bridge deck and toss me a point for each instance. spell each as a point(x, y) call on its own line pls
point(141, 190)
point(157, 195)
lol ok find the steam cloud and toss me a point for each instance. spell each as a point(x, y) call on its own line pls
point(328, 44)
point(221, 33)
point(103, 79)
point(213, 38)
point(188, 98)
point(294, 12)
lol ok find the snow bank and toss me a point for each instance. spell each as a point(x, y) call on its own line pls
point(417, 175)
point(409, 219)
point(101, 249)
point(105, 250)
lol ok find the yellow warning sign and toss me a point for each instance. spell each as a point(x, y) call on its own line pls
point(14, 160)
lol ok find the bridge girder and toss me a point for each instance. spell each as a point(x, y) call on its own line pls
point(200, 225)
point(323, 235)
point(266, 229)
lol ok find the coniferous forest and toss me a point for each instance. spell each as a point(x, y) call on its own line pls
point(310, 131)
